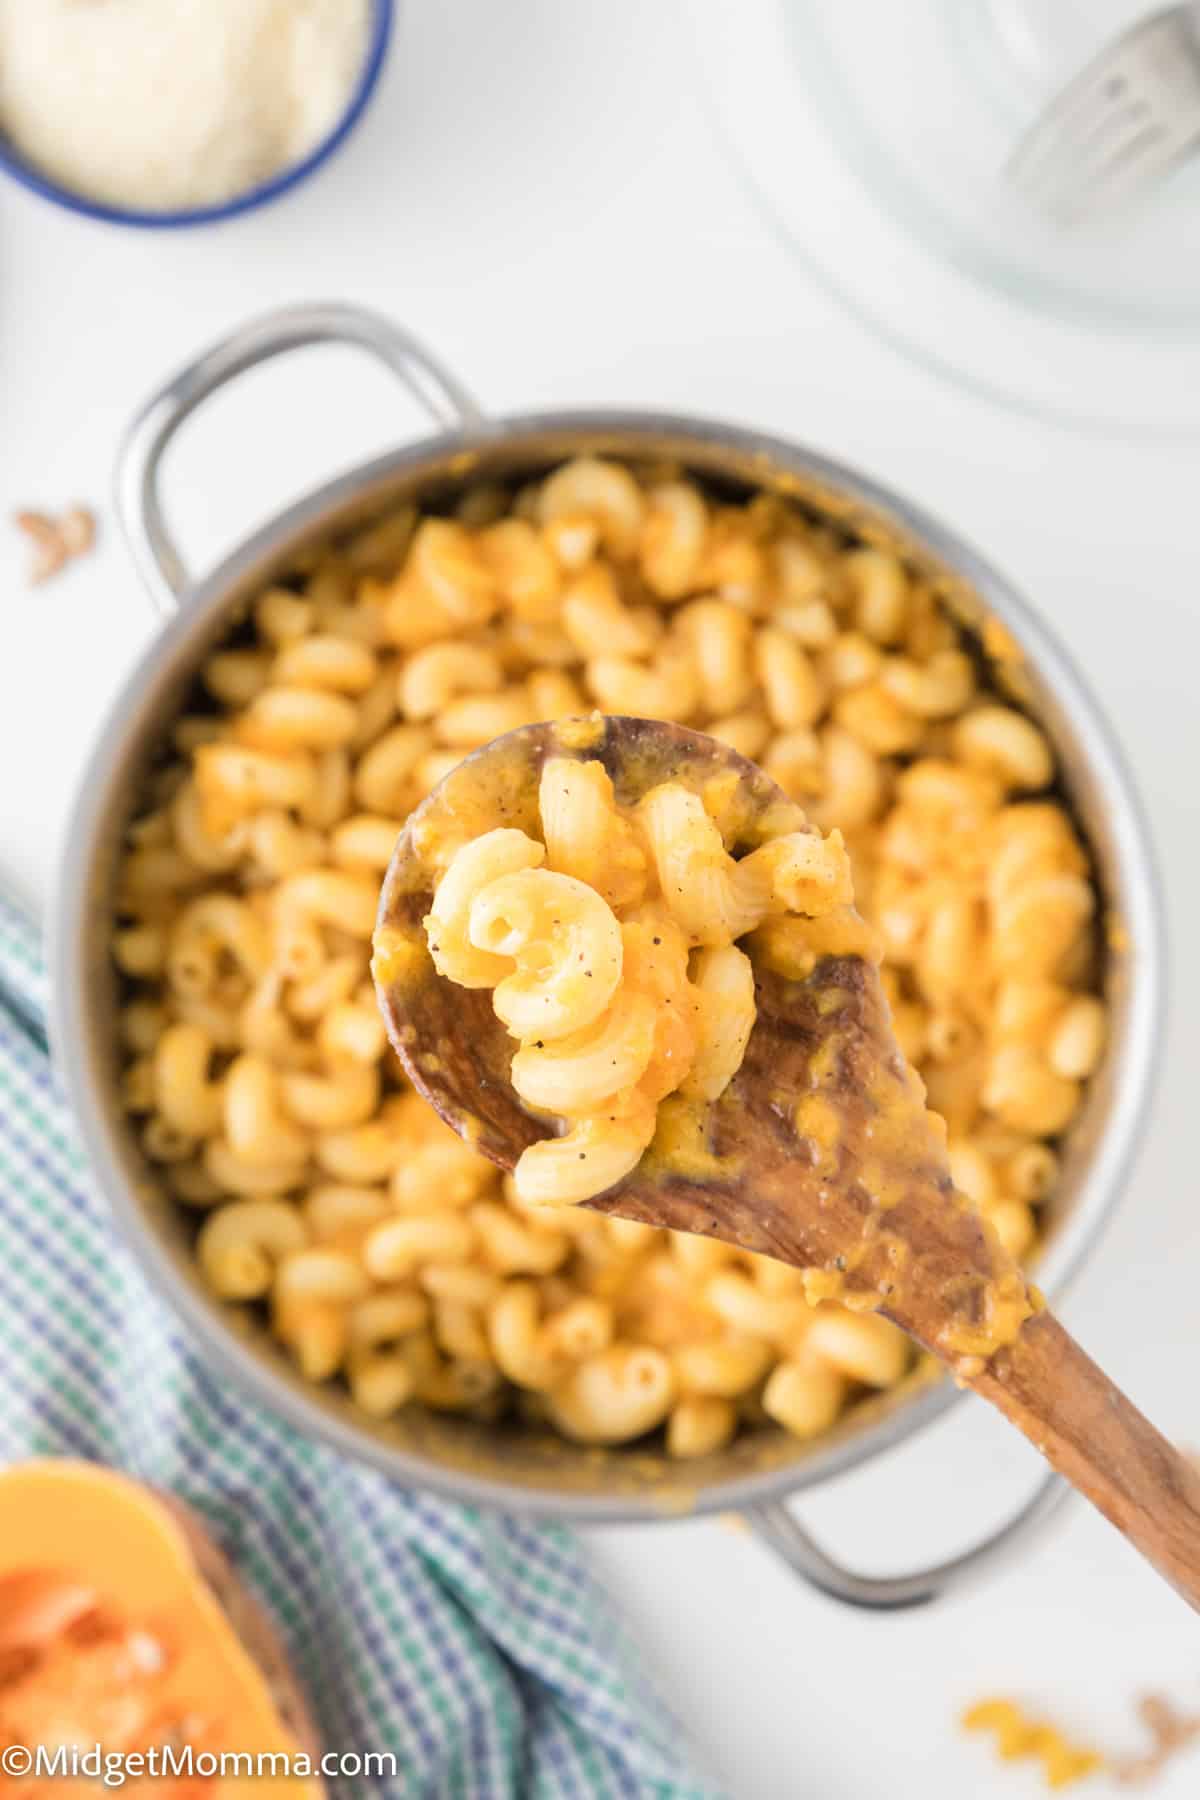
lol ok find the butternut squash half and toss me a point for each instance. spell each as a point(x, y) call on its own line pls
point(122, 1624)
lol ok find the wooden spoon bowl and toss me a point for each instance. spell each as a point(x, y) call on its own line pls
point(819, 1153)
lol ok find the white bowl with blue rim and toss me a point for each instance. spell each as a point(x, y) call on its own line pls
point(28, 175)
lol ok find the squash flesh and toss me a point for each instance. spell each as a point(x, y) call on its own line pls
point(110, 1634)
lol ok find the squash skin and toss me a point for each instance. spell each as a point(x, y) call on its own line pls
point(78, 1541)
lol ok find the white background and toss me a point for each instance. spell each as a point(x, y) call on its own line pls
point(539, 192)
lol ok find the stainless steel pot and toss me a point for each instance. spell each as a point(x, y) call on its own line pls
point(524, 1470)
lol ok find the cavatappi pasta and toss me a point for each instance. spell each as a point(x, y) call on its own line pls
point(387, 1253)
point(609, 946)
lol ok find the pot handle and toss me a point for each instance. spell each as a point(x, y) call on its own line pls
point(137, 489)
point(775, 1525)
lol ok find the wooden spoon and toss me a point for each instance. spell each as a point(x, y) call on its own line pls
point(820, 1152)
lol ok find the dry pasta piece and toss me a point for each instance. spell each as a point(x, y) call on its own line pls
point(1018, 1734)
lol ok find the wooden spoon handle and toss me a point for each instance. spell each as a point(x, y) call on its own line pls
point(1084, 1426)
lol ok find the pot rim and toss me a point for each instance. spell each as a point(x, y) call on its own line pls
point(1141, 910)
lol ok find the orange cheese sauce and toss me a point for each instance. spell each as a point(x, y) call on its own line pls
point(890, 1144)
point(884, 1134)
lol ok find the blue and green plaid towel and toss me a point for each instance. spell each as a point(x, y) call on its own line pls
point(477, 1649)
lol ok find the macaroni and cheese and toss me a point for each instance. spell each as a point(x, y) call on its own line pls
point(386, 1253)
point(617, 1003)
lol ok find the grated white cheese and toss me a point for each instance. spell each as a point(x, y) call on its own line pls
point(159, 105)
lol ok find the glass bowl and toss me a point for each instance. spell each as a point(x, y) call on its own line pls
point(930, 99)
point(875, 139)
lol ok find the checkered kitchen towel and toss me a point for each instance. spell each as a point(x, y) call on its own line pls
point(478, 1649)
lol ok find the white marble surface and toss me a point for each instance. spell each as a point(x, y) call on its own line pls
point(539, 193)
